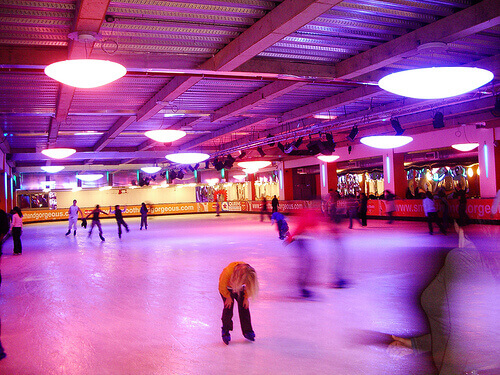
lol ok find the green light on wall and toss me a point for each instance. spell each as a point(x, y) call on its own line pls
point(166, 175)
point(138, 176)
point(196, 174)
point(222, 173)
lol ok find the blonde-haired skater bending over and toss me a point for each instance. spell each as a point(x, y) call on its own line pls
point(238, 281)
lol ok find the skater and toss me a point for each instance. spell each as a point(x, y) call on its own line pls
point(263, 209)
point(281, 223)
point(73, 217)
point(275, 203)
point(390, 206)
point(238, 281)
point(95, 220)
point(431, 213)
point(308, 222)
point(144, 216)
point(461, 194)
point(363, 208)
point(16, 228)
point(4, 227)
point(119, 219)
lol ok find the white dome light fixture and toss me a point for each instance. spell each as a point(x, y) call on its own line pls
point(187, 157)
point(464, 147)
point(58, 153)
point(150, 170)
point(165, 135)
point(254, 165)
point(328, 158)
point(435, 83)
point(386, 141)
point(52, 168)
point(85, 73)
point(89, 177)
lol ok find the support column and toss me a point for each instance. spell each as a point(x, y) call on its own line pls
point(251, 179)
point(288, 184)
point(487, 155)
point(328, 177)
point(4, 192)
point(394, 173)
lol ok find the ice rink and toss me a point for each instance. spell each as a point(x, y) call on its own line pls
point(149, 304)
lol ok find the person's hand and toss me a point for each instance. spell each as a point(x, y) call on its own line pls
point(245, 303)
point(400, 347)
point(228, 302)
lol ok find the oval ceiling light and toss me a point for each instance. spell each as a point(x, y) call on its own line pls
point(89, 177)
point(435, 83)
point(258, 164)
point(386, 141)
point(187, 157)
point(85, 73)
point(250, 170)
point(465, 146)
point(58, 153)
point(165, 135)
point(150, 169)
point(52, 168)
point(328, 158)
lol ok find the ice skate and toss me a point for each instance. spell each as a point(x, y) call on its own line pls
point(226, 336)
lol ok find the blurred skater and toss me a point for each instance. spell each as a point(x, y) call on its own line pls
point(4, 227)
point(16, 228)
point(461, 194)
point(461, 310)
point(281, 224)
point(363, 209)
point(390, 206)
point(237, 282)
point(263, 209)
point(445, 206)
point(119, 219)
point(96, 221)
point(144, 216)
point(352, 209)
point(73, 212)
point(431, 213)
point(308, 221)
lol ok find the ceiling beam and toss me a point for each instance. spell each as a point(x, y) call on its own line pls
point(119, 126)
point(280, 22)
point(221, 132)
point(326, 104)
point(263, 95)
point(474, 19)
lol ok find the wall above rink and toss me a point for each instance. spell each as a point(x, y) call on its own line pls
point(411, 209)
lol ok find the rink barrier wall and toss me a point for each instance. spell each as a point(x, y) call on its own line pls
point(410, 209)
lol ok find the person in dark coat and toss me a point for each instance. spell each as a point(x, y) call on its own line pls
point(119, 219)
point(363, 208)
point(275, 203)
point(144, 216)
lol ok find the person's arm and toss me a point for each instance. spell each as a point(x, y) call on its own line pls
point(223, 284)
point(124, 209)
point(111, 211)
point(105, 213)
point(90, 213)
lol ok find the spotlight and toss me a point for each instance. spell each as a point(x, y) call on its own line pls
point(438, 120)
point(270, 136)
point(261, 151)
point(242, 154)
point(298, 142)
point(207, 164)
point(172, 175)
point(180, 175)
point(349, 149)
point(281, 147)
point(218, 164)
point(329, 137)
point(353, 133)
point(496, 111)
point(314, 147)
point(289, 148)
point(397, 126)
point(197, 166)
point(228, 163)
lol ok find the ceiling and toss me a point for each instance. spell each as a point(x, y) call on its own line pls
point(234, 75)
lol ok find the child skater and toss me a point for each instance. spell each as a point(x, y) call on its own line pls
point(238, 281)
point(119, 219)
point(281, 223)
point(95, 220)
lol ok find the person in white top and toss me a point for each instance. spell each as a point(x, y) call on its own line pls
point(73, 217)
point(16, 228)
point(431, 213)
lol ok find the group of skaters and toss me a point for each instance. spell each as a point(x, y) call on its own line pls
point(74, 212)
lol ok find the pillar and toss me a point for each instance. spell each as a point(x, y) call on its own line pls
point(394, 173)
point(251, 179)
point(328, 177)
point(487, 155)
point(288, 184)
point(4, 192)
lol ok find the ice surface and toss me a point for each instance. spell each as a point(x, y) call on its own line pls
point(148, 303)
